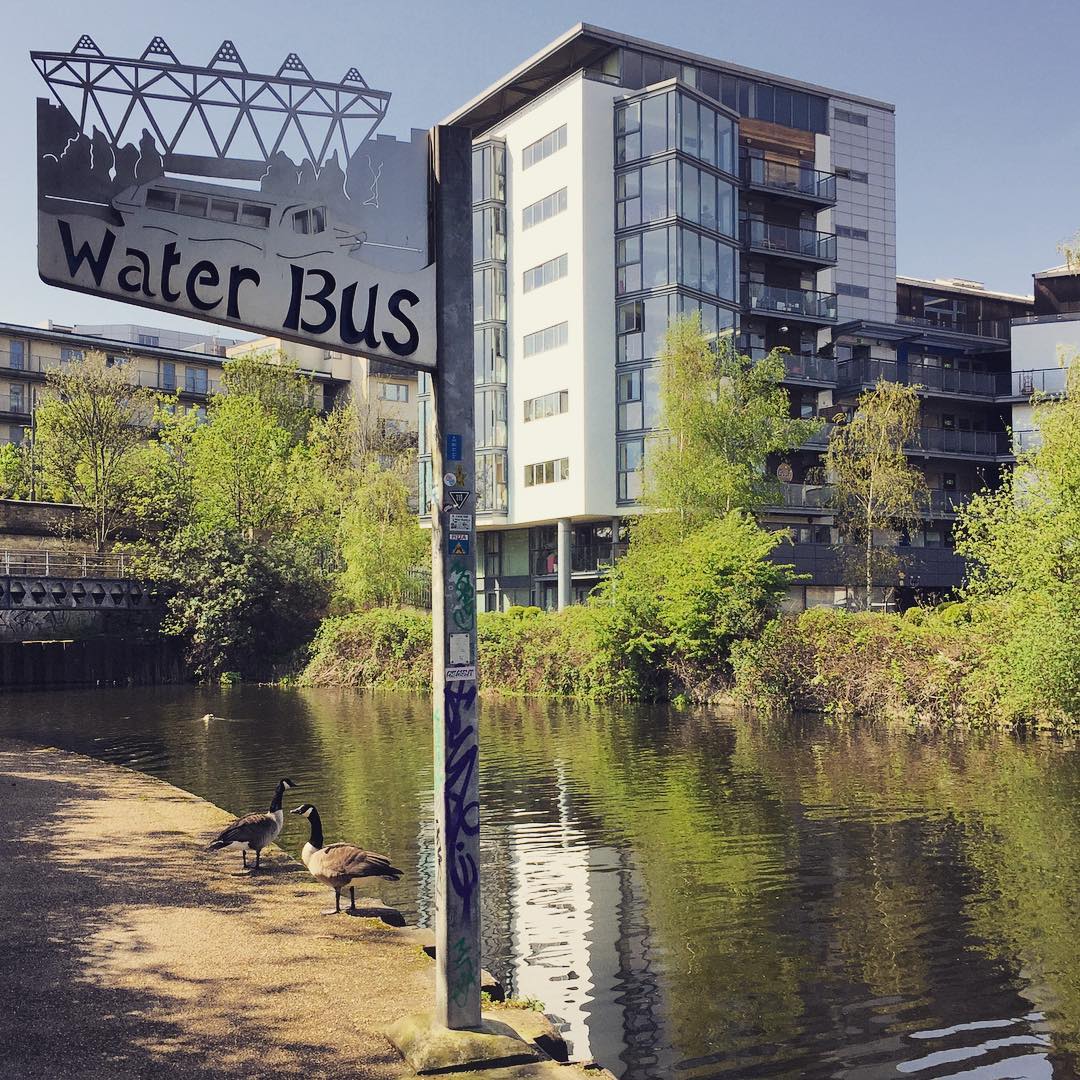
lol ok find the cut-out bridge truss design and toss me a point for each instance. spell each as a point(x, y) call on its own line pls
point(218, 120)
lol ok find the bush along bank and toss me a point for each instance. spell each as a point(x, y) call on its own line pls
point(522, 651)
point(921, 668)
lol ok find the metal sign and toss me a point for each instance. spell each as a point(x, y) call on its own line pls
point(262, 202)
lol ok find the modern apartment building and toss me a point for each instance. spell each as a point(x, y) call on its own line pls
point(618, 183)
point(27, 353)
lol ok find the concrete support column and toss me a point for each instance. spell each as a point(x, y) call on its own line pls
point(564, 561)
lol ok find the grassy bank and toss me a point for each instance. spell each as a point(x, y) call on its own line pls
point(939, 668)
point(522, 651)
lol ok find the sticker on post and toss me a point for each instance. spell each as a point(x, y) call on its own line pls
point(459, 475)
point(460, 522)
point(464, 674)
point(449, 479)
point(458, 543)
point(453, 447)
point(458, 498)
point(460, 649)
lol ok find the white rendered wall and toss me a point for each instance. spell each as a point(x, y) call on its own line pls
point(584, 299)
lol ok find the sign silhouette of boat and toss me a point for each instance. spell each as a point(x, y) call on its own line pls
point(213, 213)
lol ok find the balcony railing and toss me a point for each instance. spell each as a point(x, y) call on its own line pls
point(19, 405)
point(805, 302)
point(803, 368)
point(789, 240)
point(954, 441)
point(946, 380)
point(1027, 383)
point(992, 328)
point(790, 179)
point(1023, 441)
point(820, 496)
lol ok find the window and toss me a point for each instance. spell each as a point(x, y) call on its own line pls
point(547, 472)
point(16, 397)
point(193, 205)
point(489, 355)
point(489, 172)
point(253, 214)
point(489, 294)
point(628, 132)
point(551, 337)
point(706, 200)
point(544, 208)
point(706, 134)
point(850, 117)
point(224, 209)
point(160, 199)
point(630, 456)
point(491, 417)
point(844, 289)
point(114, 361)
point(309, 222)
point(637, 399)
point(552, 142)
point(149, 339)
point(394, 391)
point(851, 174)
point(489, 234)
point(68, 355)
point(195, 380)
point(491, 481)
point(852, 233)
point(168, 375)
point(546, 273)
point(706, 264)
point(539, 408)
point(17, 355)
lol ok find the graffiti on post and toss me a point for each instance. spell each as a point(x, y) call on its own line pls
point(464, 972)
point(464, 605)
point(462, 812)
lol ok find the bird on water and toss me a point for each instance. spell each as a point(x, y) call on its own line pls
point(254, 831)
point(338, 865)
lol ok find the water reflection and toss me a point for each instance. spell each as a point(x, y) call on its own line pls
point(693, 896)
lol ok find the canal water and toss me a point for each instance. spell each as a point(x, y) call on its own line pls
point(693, 895)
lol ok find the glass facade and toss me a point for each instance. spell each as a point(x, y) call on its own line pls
point(675, 251)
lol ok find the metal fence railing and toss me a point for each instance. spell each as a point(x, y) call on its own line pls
point(65, 564)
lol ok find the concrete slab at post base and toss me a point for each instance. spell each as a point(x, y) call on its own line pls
point(429, 1048)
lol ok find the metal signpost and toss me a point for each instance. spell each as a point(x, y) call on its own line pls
point(323, 235)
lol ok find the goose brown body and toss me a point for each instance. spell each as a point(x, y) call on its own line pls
point(339, 865)
point(255, 831)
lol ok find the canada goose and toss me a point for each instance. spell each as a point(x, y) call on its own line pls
point(339, 864)
point(255, 831)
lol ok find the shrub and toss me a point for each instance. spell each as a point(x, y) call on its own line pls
point(380, 647)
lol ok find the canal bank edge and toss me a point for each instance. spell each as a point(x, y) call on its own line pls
point(136, 951)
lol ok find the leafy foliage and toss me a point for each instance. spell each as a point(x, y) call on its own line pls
point(876, 489)
point(1022, 543)
point(89, 436)
point(276, 383)
point(722, 415)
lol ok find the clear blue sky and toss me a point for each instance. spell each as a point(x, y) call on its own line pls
point(986, 94)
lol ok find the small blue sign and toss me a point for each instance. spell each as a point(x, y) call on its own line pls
point(453, 447)
point(458, 543)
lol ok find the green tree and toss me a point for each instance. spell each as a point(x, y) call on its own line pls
point(90, 428)
point(1022, 543)
point(722, 415)
point(242, 467)
point(875, 488)
point(381, 540)
point(276, 383)
point(16, 470)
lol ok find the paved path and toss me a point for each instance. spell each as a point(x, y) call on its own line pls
point(127, 951)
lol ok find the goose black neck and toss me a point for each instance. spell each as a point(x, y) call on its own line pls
point(316, 828)
point(279, 794)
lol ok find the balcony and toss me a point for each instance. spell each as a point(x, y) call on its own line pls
point(802, 304)
point(986, 328)
point(796, 181)
point(940, 380)
point(952, 441)
point(1022, 385)
point(803, 369)
point(926, 567)
point(805, 245)
point(809, 497)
